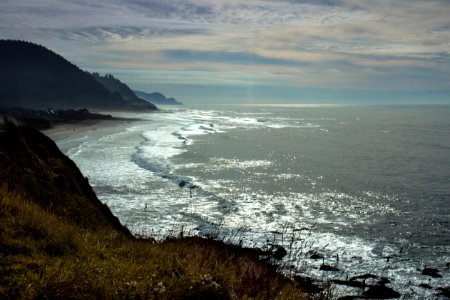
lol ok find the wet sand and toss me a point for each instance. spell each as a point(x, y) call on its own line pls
point(65, 130)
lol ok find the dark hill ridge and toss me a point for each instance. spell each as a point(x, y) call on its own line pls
point(157, 98)
point(116, 86)
point(34, 77)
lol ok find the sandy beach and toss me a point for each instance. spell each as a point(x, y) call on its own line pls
point(65, 130)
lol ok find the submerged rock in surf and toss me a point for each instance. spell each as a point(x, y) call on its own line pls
point(433, 272)
point(425, 286)
point(364, 277)
point(445, 291)
point(381, 292)
point(352, 283)
point(315, 255)
point(328, 268)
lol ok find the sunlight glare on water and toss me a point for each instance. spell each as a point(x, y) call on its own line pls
point(369, 184)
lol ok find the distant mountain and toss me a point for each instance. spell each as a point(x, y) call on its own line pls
point(34, 77)
point(157, 98)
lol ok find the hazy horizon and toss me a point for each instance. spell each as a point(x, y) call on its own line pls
point(259, 51)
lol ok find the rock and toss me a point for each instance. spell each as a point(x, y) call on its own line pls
point(352, 283)
point(445, 291)
point(328, 268)
point(433, 272)
point(364, 276)
point(278, 252)
point(425, 286)
point(316, 255)
point(381, 292)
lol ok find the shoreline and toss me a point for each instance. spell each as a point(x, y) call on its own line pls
point(65, 130)
point(356, 272)
point(48, 194)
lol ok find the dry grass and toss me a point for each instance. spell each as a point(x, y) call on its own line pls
point(44, 256)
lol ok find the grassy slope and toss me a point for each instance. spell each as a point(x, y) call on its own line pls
point(58, 241)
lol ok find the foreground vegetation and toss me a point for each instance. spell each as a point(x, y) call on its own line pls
point(58, 241)
point(42, 255)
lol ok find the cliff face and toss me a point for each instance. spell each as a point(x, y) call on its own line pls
point(34, 77)
point(31, 164)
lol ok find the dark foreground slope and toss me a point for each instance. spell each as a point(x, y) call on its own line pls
point(32, 164)
point(57, 241)
point(34, 77)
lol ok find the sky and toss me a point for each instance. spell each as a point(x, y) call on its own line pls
point(251, 51)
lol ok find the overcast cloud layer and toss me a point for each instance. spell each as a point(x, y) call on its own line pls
point(251, 50)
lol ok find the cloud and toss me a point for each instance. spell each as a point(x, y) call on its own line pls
point(346, 43)
point(123, 33)
point(244, 58)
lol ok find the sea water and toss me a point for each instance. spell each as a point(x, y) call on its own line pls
point(366, 187)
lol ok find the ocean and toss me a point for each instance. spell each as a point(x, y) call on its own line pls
point(365, 187)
